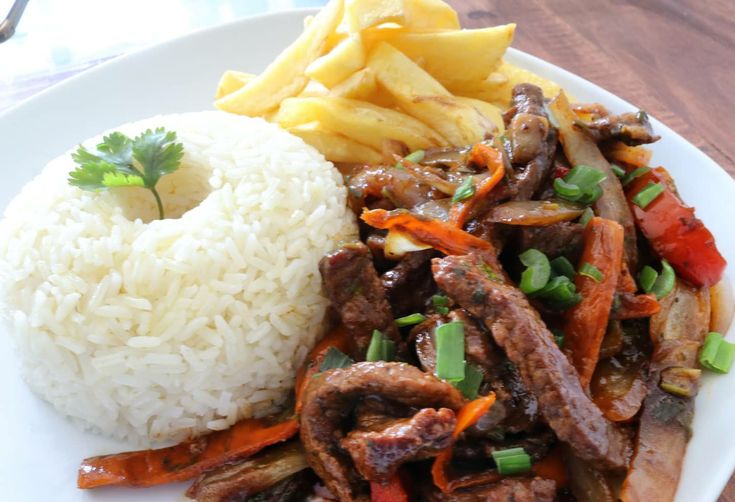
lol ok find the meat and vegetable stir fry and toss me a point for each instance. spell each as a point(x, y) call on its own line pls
point(524, 319)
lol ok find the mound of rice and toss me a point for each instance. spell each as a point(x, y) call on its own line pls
point(152, 329)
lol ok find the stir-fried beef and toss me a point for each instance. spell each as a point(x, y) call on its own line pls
point(546, 372)
point(410, 283)
point(505, 490)
point(563, 238)
point(356, 292)
point(536, 445)
point(397, 185)
point(630, 128)
point(331, 396)
point(377, 454)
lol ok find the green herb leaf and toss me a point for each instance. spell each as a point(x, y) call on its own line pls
point(121, 162)
point(334, 358)
point(589, 270)
point(464, 191)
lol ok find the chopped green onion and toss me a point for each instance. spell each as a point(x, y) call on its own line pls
point(410, 320)
point(381, 348)
point(560, 293)
point(558, 337)
point(649, 193)
point(591, 196)
point(464, 191)
point(537, 273)
point(641, 116)
point(635, 173)
point(333, 359)
point(512, 461)
point(581, 184)
point(619, 171)
point(416, 156)
point(440, 303)
point(450, 351)
point(588, 270)
point(585, 177)
point(717, 354)
point(587, 215)
point(647, 278)
point(470, 384)
point(566, 190)
point(561, 266)
point(665, 282)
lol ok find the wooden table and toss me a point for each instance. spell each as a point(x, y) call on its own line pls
point(672, 58)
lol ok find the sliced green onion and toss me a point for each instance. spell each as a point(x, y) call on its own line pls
point(587, 215)
point(560, 293)
point(440, 303)
point(512, 461)
point(566, 190)
point(647, 278)
point(537, 273)
point(410, 320)
point(717, 354)
point(581, 184)
point(470, 384)
point(450, 351)
point(561, 266)
point(635, 173)
point(416, 156)
point(381, 348)
point(591, 196)
point(665, 282)
point(649, 193)
point(558, 337)
point(619, 171)
point(464, 191)
point(333, 359)
point(588, 270)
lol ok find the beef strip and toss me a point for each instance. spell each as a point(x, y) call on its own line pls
point(537, 445)
point(377, 454)
point(330, 397)
point(546, 372)
point(410, 283)
point(563, 238)
point(356, 292)
point(630, 128)
point(505, 490)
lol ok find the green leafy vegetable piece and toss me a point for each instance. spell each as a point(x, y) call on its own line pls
point(464, 191)
point(589, 270)
point(334, 358)
point(469, 386)
point(537, 273)
point(450, 363)
point(381, 348)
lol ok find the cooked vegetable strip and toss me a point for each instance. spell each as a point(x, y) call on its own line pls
point(490, 158)
point(676, 332)
point(632, 306)
point(675, 233)
point(587, 321)
point(184, 460)
point(381, 348)
point(512, 461)
point(717, 354)
point(466, 417)
point(450, 351)
point(581, 149)
point(535, 213)
point(636, 156)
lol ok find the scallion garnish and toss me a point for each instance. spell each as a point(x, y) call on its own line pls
point(655, 283)
point(537, 273)
point(410, 320)
point(561, 266)
point(635, 173)
point(560, 293)
point(512, 461)
point(413, 157)
point(649, 193)
point(647, 278)
point(588, 270)
point(587, 215)
point(334, 358)
point(470, 384)
point(558, 337)
point(566, 190)
point(464, 191)
point(450, 363)
point(440, 303)
point(641, 116)
point(381, 348)
point(619, 171)
point(717, 354)
point(581, 184)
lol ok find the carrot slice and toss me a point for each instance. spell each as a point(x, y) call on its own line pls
point(392, 491)
point(492, 159)
point(552, 467)
point(586, 322)
point(466, 417)
point(635, 306)
point(336, 338)
point(184, 460)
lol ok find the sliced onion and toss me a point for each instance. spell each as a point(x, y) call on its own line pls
point(398, 243)
point(537, 213)
point(723, 306)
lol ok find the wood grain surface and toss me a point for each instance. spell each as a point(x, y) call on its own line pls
point(672, 58)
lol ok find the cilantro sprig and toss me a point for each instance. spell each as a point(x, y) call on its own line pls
point(123, 162)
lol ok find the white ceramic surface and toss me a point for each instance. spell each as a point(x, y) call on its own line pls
point(41, 450)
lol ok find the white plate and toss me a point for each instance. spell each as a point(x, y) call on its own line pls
point(41, 450)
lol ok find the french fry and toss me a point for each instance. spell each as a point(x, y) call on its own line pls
point(231, 81)
point(422, 97)
point(413, 14)
point(335, 147)
point(285, 76)
point(489, 110)
point(313, 88)
point(449, 56)
point(359, 85)
point(360, 121)
point(335, 66)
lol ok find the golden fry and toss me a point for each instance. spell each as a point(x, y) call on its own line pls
point(335, 147)
point(335, 66)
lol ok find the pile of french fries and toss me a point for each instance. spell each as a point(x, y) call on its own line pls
point(367, 72)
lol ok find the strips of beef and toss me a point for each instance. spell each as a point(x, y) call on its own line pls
point(331, 396)
point(356, 292)
point(505, 490)
point(410, 283)
point(399, 186)
point(546, 372)
point(630, 128)
point(560, 239)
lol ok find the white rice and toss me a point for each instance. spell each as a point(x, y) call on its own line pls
point(151, 330)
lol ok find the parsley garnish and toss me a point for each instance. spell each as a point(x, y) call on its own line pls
point(123, 162)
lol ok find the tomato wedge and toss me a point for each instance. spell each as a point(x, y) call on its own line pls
point(675, 233)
